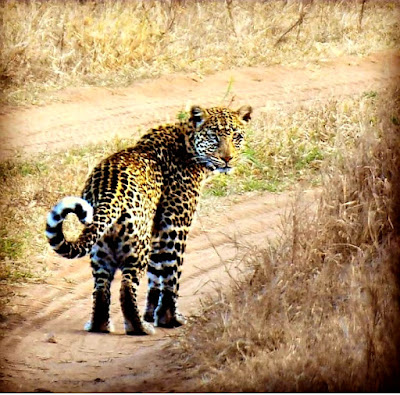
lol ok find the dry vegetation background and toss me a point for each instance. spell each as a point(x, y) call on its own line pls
point(318, 308)
point(45, 45)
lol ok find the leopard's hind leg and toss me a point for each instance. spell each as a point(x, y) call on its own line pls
point(164, 271)
point(134, 325)
point(103, 271)
point(133, 259)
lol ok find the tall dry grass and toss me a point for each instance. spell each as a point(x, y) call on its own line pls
point(319, 310)
point(45, 45)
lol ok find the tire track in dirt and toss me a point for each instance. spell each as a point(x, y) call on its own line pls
point(92, 115)
point(79, 361)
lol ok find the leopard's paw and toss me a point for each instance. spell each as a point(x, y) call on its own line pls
point(105, 327)
point(169, 320)
point(180, 318)
point(145, 329)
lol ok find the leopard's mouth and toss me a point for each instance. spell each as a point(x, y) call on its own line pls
point(224, 170)
point(219, 166)
point(216, 165)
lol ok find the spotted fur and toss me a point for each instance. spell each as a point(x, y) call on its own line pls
point(137, 207)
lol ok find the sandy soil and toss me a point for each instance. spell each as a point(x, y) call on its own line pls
point(43, 345)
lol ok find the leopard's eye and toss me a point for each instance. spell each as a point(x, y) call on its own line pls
point(212, 136)
point(238, 136)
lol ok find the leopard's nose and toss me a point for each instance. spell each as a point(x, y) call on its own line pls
point(227, 158)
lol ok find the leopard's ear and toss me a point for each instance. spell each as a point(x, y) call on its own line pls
point(244, 112)
point(197, 116)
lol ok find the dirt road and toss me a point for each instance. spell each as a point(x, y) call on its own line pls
point(43, 345)
point(87, 115)
point(47, 349)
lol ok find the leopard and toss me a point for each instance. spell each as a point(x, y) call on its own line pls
point(137, 207)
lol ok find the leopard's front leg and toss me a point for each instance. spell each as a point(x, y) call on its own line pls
point(164, 271)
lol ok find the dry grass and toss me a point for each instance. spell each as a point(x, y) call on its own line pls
point(45, 45)
point(320, 309)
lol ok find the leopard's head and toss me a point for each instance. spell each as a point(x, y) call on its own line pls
point(218, 136)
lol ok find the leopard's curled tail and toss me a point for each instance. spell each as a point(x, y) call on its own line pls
point(94, 227)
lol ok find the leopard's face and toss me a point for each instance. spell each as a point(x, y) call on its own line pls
point(219, 136)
